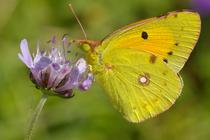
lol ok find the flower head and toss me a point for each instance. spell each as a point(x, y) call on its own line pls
point(53, 73)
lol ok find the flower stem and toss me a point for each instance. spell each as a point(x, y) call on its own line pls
point(35, 116)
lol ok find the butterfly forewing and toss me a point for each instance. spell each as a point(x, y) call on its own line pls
point(171, 37)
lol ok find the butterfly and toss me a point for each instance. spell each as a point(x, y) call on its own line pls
point(138, 65)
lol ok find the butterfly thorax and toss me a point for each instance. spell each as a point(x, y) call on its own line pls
point(97, 61)
point(94, 54)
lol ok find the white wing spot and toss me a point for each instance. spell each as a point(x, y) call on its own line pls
point(144, 79)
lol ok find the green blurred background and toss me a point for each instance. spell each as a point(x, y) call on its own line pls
point(90, 116)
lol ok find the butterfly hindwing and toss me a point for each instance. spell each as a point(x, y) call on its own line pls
point(138, 88)
point(171, 37)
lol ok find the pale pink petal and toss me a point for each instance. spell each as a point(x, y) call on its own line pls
point(25, 56)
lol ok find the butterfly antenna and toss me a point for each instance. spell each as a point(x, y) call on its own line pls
point(72, 10)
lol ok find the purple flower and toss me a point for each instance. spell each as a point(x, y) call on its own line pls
point(53, 73)
point(201, 6)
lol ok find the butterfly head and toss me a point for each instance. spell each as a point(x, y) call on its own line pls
point(87, 45)
point(90, 47)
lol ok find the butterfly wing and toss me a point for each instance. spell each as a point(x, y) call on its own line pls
point(137, 88)
point(138, 64)
point(171, 37)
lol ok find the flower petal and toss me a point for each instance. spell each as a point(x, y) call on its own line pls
point(37, 77)
point(52, 77)
point(43, 62)
point(72, 81)
point(61, 75)
point(38, 54)
point(85, 85)
point(25, 57)
point(68, 94)
point(23, 60)
point(81, 65)
point(45, 75)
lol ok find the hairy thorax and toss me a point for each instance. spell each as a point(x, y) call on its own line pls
point(97, 62)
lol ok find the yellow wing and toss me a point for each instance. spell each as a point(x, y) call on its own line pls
point(171, 37)
point(137, 88)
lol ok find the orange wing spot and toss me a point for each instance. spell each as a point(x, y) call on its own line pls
point(152, 59)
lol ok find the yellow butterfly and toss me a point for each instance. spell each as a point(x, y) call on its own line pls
point(138, 64)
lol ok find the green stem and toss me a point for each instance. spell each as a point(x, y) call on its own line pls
point(35, 116)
